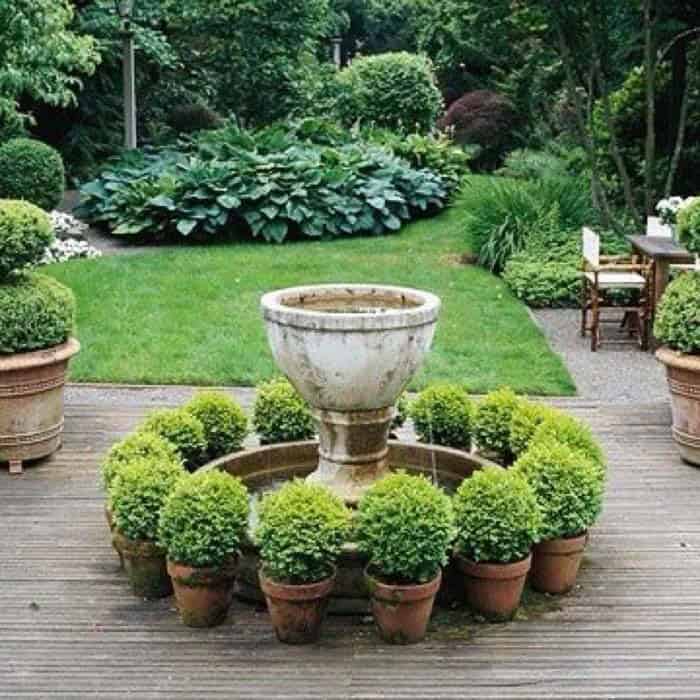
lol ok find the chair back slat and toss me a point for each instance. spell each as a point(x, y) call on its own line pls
point(655, 227)
point(591, 247)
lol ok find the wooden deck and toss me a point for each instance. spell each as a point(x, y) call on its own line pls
point(69, 627)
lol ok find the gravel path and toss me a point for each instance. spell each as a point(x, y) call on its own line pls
point(614, 374)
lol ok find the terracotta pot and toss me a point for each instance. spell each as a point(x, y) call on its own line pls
point(203, 594)
point(110, 523)
point(297, 612)
point(683, 374)
point(555, 564)
point(402, 613)
point(144, 563)
point(494, 590)
point(31, 403)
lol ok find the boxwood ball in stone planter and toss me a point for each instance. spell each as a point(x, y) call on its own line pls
point(37, 318)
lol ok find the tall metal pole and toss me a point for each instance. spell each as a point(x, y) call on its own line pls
point(337, 52)
point(130, 137)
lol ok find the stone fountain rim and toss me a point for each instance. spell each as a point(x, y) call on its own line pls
point(276, 311)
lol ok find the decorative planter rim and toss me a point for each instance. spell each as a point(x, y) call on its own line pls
point(277, 311)
point(144, 549)
point(39, 358)
point(402, 593)
point(300, 592)
point(562, 545)
point(679, 360)
point(489, 570)
point(205, 574)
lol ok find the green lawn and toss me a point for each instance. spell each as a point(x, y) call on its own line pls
point(191, 314)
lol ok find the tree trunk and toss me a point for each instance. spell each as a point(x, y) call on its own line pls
point(680, 139)
point(650, 79)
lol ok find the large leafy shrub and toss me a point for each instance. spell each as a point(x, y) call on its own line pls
point(405, 525)
point(25, 233)
point(185, 432)
point(689, 226)
point(542, 285)
point(190, 118)
point(302, 529)
point(568, 487)
point(497, 516)
point(492, 423)
point(225, 425)
point(280, 414)
point(443, 415)
point(33, 171)
point(392, 90)
point(677, 321)
point(204, 519)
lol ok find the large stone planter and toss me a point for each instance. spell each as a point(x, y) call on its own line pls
point(31, 403)
point(683, 373)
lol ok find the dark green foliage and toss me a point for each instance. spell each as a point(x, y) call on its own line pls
point(190, 118)
point(402, 412)
point(25, 233)
point(392, 90)
point(302, 529)
point(492, 423)
point(689, 226)
point(139, 445)
point(405, 525)
point(225, 424)
point(497, 516)
point(525, 420)
point(33, 171)
point(280, 414)
point(185, 432)
point(204, 519)
point(444, 415)
point(138, 493)
point(568, 487)
point(678, 317)
point(36, 312)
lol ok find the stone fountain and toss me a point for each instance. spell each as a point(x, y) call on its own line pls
point(350, 350)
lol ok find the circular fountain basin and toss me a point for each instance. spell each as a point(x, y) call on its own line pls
point(265, 468)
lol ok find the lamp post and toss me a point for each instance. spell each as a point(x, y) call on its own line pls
point(125, 9)
point(337, 42)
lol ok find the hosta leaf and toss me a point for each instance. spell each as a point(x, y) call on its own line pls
point(186, 226)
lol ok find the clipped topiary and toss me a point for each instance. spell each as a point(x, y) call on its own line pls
point(225, 424)
point(393, 90)
point(497, 516)
point(185, 432)
point(25, 233)
point(204, 519)
point(302, 529)
point(568, 487)
point(492, 423)
point(571, 432)
point(33, 171)
point(444, 415)
point(678, 316)
point(144, 445)
point(280, 414)
point(404, 525)
point(526, 418)
point(689, 226)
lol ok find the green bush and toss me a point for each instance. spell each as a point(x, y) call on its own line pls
point(497, 516)
point(392, 90)
point(444, 415)
point(525, 420)
point(183, 431)
point(573, 433)
point(544, 284)
point(492, 423)
point(568, 487)
point(225, 424)
point(302, 529)
point(204, 519)
point(138, 494)
point(405, 525)
point(25, 233)
point(280, 414)
point(36, 312)
point(677, 321)
point(32, 171)
point(139, 445)
point(189, 118)
point(689, 226)
point(402, 412)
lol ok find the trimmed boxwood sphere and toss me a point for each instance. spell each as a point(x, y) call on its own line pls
point(25, 232)
point(33, 171)
point(678, 317)
point(36, 312)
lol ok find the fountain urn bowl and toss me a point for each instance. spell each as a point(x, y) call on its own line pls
point(350, 350)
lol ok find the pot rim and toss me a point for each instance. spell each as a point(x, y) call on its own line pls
point(40, 358)
point(678, 360)
point(178, 570)
point(144, 549)
point(275, 310)
point(299, 592)
point(489, 570)
point(403, 593)
point(562, 545)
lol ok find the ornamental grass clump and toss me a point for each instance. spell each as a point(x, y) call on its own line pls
point(224, 422)
point(492, 423)
point(444, 415)
point(678, 316)
point(405, 525)
point(185, 432)
point(280, 414)
point(301, 531)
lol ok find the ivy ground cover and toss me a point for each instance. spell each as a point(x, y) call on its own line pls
point(191, 314)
